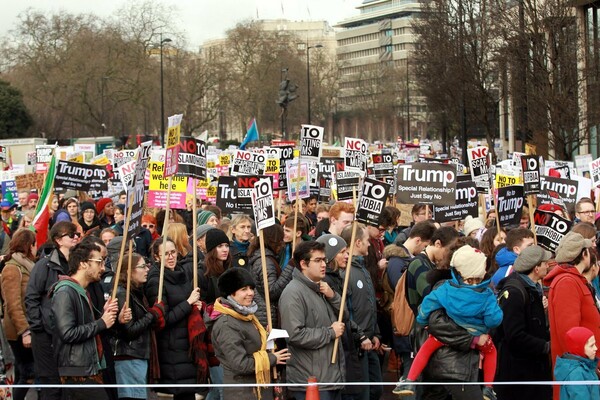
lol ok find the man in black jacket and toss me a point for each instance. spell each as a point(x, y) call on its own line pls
point(77, 327)
point(523, 339)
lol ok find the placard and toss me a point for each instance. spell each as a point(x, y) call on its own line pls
point(30, 181)
point(426, 183)
point(245, 188)
point(466, 204)
point(3, 154)
point(383, 164)
point(192, 157)
point(263, 204)
point(286, 153)
point(510, 205)
point(566, 189)
point(83, 177)
point(173, 138)
point(311, 142)
point(356, 155)
point(372, 200)
point(479, 166)
point(347, 183)
point(327, 168)
point(248, 163)
point(159, 188)
point(298, 180)
point(138, 189)
point(550, 228)
point(531, 174)
point(595, 172)
point(227, 193)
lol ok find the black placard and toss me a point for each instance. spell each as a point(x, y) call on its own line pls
point(466, 204)
point(510, 205)
point(426, 183)
point(84, 177)
point(372, 200)
point(550, 229)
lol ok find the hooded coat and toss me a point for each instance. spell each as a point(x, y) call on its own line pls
point(575, 368)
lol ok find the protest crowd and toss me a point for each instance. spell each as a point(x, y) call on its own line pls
point(190, 266)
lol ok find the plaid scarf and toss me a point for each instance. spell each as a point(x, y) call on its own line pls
point(198, 347)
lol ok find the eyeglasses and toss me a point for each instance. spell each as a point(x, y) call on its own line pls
point(172, 253)
point(319, 260)
point(72, 235)
point(587, 212)
point(98, 260)
point(143, 266)
point(381, 230)
point(148, 226)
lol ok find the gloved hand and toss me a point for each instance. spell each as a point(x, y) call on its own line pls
point(158, 311)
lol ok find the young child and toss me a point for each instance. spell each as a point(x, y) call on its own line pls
point(471, 304)
point(578, 364)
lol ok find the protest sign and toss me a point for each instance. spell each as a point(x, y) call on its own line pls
point(327, 168)
point(192, 157)
point(9, 187)
point(565, 168)
point(30, 181)
point(356, 155)
point(77, 176)
point(3, 154)
point(263, 204)
point(566, 189)
point(248, 163)
point(383, 164)
point(372, 200)
point(120, 158)
point(595, 172)
point(510, 205)
point(172, 144)
point(272, 166)
point(245, 187)
point(311, 141)
point(227, 193)
point(159, 188)
point(88, 150)
point(479, 166)
point(426, 183)
point(286, 153)
point(550, 229)
point(126, 174)
point(297, 180)
point(31, 157)
point(466, 204)
point(582, 164)
point(138, 189)
point(346, 183)
point(43, 156)
point(531, 174)
point(502, 180)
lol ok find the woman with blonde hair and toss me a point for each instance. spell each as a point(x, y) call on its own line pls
point(177, 232)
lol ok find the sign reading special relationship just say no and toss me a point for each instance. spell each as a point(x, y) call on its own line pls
point(426, 183)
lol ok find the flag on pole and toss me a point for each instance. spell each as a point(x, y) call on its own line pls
point(42, 212)
point(251, 135)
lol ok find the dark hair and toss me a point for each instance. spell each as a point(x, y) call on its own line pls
point(579, 257)
point(21, 242)
point(515, 237)
point(417, 208)
point(423, 230)
point(273, 237)
point(80, 253)
point(446, 235)
point(301, 224)
point(160, 219)
point(389, 217)
point(135, 259)
point(214, 266)
point(304, 251)
point(322, 226)
point(486, 245)
point(493, 265)
point(61, 229)
point(94, 239)
point(155, 248)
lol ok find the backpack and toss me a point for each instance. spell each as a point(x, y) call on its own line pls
point(402, 315)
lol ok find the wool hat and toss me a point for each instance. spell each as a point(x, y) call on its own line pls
point(570, 247)
point(234, 279)
point(87, 205)
point(469, 262)
point(215, 237)
point(32, 196)
point(531, 257)
point(333, 245)
point(204, 216)
point(472, 224)
point(203, 230)
point(575, 340)
point(102, 203)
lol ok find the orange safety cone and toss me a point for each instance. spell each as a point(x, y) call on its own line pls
point(312, 390)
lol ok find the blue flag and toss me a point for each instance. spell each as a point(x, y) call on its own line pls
point(251, 135)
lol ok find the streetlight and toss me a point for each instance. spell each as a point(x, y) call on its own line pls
point(316, 46)
point(162, 94)
point(102, 122)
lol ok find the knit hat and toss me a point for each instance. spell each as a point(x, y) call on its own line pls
point(575, 340)
point(469, 262)
point(234, 279)
point(571, 246)
point(531, 257)
point(87, 205)
point(333, 245)
point(102, 203)
point(204, 216)
point(472, 224)
point(215, 237)
point(121, 207)
point(203, 230)
point(32, 196)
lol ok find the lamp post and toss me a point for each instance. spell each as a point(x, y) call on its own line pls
point(102, 122)
point(162, 94)
point(316, 46)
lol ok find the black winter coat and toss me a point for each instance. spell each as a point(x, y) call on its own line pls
point(176, 366)
point(523, 341)
point(133, 339)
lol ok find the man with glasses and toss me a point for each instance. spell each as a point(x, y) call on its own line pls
point(585, 210)
point(309, 310)
point(78, 324)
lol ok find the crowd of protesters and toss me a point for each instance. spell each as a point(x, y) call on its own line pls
point(477, 296)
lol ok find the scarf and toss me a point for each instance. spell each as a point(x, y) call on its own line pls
point(153, 364)
point(241, 247)
point(261, 358)
point(23, 261)
point(198, 347)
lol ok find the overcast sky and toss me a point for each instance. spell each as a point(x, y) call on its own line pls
point(199, 19)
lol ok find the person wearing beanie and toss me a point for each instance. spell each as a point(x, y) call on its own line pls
point(523, 339)
point(239, 339)
point(207, 217)
point(571, 300)
point(472, 226)
point(106, 212)
point(216, 261)
point(579, 363)
point(471, 304)
point(89, 220)
point(32, 200)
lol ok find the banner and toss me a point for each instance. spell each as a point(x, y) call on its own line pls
point(565, 189)
point(372, 200)
point(426, 183)
point(550, 228)
point(311, 142)
point(248, 163)
point(138, 189)
point(227, 193)
point(510, 205)
point(479, 166)
point(356, 155)
point(466, 204)
point(346, 183)
point(531, 174)
point(84, 177)
point(192, 157)
point(263, 204)
point(172, 145)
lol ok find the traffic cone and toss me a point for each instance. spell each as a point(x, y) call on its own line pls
point(312, 390)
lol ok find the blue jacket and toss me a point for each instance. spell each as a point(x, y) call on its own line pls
point(473, 307)
point(575, 368)
point(505, 259)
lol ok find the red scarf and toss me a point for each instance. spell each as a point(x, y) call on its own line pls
point(198, 347)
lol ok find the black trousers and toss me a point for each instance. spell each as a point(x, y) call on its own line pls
point(45, 366)
point(23, 367)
